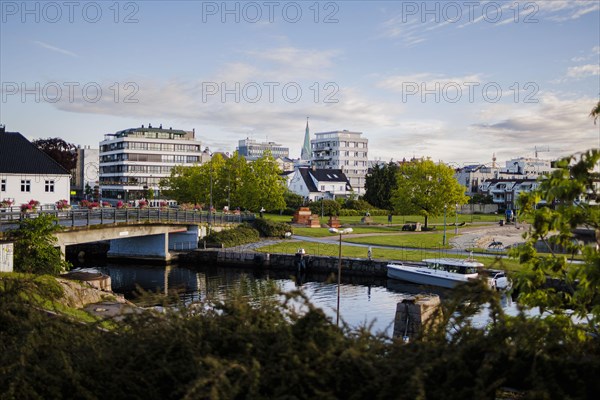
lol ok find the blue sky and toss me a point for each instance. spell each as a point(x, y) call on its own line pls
point(452, 80)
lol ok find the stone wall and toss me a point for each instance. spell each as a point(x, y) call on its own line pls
point(324, 264)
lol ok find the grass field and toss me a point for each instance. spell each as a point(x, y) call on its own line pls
point(401, 219)
point(417, 240)
point(321, 249)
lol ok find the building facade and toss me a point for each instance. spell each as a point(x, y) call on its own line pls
point(251, 149)
point(87, 171)
point(316, 184)
point(27, 173)
point(133, 161)
point(343, 150)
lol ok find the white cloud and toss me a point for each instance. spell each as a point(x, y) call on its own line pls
point(582, 71)
point(54, 48)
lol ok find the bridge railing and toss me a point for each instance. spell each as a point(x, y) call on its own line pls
point(84, 217)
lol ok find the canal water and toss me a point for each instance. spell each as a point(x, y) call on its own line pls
point(363, 301)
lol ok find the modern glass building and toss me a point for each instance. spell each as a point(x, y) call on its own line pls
point(133, 161)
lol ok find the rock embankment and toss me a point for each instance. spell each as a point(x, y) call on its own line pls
point(78, 294)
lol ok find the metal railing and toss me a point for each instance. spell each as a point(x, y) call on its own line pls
point(86, 217)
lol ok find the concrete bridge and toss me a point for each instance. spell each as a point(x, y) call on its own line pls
point(149, 233)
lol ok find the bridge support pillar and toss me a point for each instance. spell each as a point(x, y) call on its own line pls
point(151, 247)
point(182, 241)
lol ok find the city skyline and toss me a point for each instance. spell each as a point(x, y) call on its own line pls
point(453, 81)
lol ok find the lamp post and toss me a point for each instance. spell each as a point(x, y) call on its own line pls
point(444, 239)
point(456, 220)
point(339, 277)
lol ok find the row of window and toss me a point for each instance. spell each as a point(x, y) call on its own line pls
point(193, 148)
point(322, 145)
point(144, 169)
point(26, 185)
point(130, 180)
point(166, 158)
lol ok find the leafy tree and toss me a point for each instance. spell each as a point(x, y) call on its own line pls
point(35, 250)
point(62, 152)
point(380, 183)
point(572, 189)
point(185, 184)
point(233, 181)
point(328, 207)
point(292, 200)
point(595, 113)
point(426, 189)
point(479, 198)
point(263, 186)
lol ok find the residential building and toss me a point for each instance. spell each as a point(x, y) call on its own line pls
point(27, 173)
point(86, 173)
point(506, 191)
point(133, 161)
point(478, 178)
point(251, 149)
point(315, 184)
point(472, 176)
point(343, 150)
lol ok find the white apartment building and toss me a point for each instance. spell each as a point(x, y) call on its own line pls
point(343, 150)
point(133, 161)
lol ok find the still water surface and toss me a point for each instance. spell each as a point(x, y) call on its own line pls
point(362, 301)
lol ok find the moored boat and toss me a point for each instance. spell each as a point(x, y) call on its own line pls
point(445, 272)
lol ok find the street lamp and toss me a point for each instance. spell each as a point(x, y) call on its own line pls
point(444, 239)
point(456, 220)
point(340, 232)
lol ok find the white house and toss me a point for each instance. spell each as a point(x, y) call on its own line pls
point(27, 173)
point(315, 184)
point(505, 192)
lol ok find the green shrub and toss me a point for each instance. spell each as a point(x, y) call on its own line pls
point(328, 207)
point(242, 234)
point(269, 228)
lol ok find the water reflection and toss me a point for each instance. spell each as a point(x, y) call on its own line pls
point(364, 301)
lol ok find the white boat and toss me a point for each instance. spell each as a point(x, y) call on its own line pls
point(445, 272)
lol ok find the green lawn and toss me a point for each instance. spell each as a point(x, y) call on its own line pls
point(424, 240)
point(401, 219)
point(320, 249)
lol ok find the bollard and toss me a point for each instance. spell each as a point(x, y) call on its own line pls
point(413, 313)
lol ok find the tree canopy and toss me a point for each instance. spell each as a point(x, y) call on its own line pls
point(380, 183)
point(234, 182)
point(62, 152)
point(426, 189)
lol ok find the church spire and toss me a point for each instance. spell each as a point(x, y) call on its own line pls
point(305, 154)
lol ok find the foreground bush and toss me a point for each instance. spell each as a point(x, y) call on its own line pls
point(237, 236)
point(270, 228)
point(262, 349)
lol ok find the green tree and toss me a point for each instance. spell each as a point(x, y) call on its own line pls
point(572, 195)
point(427, 189)
point(292, 200)
point(380, 183)
point(60, 151)
point(595, 113)
point(263, 185)
point(184, 184)
point(35, 250)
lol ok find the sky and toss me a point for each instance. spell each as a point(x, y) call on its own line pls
point(456, 81)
